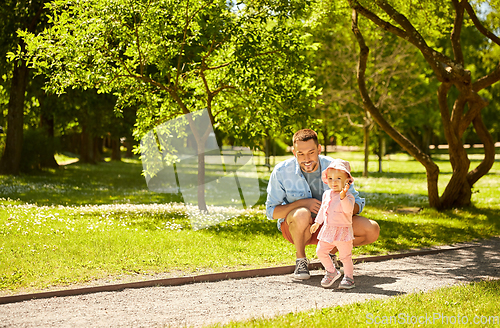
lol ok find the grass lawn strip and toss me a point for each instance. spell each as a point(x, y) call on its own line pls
point(474, 304)
point(103, 223)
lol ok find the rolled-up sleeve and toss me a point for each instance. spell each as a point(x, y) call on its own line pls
point(275, 194)
point(358, 200)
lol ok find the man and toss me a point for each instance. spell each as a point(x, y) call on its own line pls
point(294, 196)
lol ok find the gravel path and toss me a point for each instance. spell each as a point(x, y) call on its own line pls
point(204, 303)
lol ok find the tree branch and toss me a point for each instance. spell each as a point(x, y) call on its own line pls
point(456, 32)
point(34, 21)
point(489, 151)
point(487, 80)
point(346, 114)
point(431, 168)
point(476, 104)
point(377, 20)
point(480, 27)
point(186, 26)
point(456, 114)
point(443, 90)
point(434, 62)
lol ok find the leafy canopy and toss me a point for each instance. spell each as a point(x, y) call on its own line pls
point(243, 62)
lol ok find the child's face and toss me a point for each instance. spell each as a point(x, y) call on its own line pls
point(336, 179)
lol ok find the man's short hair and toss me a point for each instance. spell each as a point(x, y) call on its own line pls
point(305, 135)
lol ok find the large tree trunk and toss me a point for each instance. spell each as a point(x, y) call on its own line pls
point(86, 147)
point(11, 159)
point(267, 151)
point(115, 149)
point(380, 151)
point(202, 205)
point(97, 150)
point(47, 158)
point(458, 192)
point(366, 143)
point(128, 144)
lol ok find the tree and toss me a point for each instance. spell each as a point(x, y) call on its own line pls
point(175, 58)
point(459, 98)
point(26, 16)
point(389, 74)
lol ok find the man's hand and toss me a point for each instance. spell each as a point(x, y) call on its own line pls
point(314, 227)
point(312, 204)
point(343, 192)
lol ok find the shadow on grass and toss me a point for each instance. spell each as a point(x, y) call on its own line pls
point(393, 201)
point(84, 184)
point(471, 223)
point(245, 228)
point(492, 216)
point(398, 175)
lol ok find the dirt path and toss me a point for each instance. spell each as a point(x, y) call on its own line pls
point(204, 303)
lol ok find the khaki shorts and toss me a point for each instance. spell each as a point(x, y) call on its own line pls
point(286, 233)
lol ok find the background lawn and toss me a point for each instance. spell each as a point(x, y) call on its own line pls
point(85, 222)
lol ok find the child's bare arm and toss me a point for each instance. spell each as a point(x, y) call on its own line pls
point(343, 192)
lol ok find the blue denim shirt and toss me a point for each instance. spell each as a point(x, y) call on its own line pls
point(287, 185)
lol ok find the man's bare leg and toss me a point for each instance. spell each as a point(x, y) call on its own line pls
point(299, 222)
point(366, 231)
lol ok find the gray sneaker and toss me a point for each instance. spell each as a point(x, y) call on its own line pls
point(330, 278)
point(302, 269)
point(347, 283)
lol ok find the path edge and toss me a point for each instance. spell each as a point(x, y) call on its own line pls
point(272, 271)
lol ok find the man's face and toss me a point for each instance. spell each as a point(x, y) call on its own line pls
point(307, 154)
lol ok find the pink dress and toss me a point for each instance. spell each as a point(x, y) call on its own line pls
point(336, 216)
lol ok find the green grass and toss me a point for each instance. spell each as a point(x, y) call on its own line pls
point(475, 304)
point(84, 222)
point(82, 184)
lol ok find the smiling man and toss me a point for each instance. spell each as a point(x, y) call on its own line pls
point(294, 196)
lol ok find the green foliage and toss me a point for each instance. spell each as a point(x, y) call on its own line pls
point(433, 19)
point(244, 63)
point(279, 147)
point(398, 84)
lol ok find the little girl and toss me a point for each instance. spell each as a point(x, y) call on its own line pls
point(336, 215)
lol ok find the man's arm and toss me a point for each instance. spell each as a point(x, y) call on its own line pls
point(312, 204)
point(276, 195)
point(281, 211)
point(356, 209)
point(359, 202)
